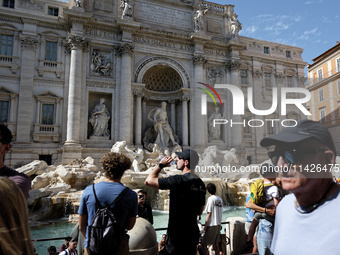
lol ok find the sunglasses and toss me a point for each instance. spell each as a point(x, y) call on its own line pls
point(293, 156)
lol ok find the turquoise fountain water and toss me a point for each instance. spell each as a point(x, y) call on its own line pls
point(62, 228)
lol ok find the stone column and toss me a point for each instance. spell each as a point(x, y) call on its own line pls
point(185, 120)
point(233, 66)
point(144, 113)
point(200, 125)
point(125, 50)
point(138, 123)
point(25, 105)
point(173, 115)
point(77, 44)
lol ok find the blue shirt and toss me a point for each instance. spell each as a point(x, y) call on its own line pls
point(106, 192)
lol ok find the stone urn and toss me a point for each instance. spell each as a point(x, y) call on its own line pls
point(143, 239)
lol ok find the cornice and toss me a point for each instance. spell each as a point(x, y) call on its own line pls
point(43, 82)
point(99, 83)
point(324, 81)
point(5, 77)
point(168, 95)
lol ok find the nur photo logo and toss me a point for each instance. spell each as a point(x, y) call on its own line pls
point(204, 97)
point(238, 104)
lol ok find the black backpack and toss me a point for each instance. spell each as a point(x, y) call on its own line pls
point(104, 233)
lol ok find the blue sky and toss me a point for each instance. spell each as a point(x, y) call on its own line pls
point(310, 24)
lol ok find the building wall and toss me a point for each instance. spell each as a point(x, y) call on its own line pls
point(100, 53)
point(330, 84)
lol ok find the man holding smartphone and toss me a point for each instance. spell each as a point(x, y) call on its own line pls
point(144, 208)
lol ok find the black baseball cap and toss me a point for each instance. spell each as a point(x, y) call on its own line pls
point(304, 130)
point(188, 154)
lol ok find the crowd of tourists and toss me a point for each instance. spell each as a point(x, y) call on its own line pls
point(292, 210)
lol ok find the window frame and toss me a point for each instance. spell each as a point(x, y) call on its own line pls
point(47, 131)
point(244, 76)
point(55, 10)
point(266, 50)
point(289, 81)
point(267, 80)
point(5, 53)
point(322, 114)
point(321, 95)
point(9, 3)
point(320, 74)
point(7, 111)
point(42, 117)
point(51, 51)
point(288, 54)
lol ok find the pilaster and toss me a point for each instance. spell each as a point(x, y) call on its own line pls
point(29, 46)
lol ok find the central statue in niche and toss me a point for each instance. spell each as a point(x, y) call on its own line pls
point(99, 119)
point(161, 133)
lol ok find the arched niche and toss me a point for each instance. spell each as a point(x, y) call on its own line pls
point(146, 70)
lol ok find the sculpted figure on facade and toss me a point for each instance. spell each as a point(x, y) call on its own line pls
point(118, 147)
point(215, 75)
point(162, 127)
point(199, 20)
point(136, 157)
point(127, 8)
point(100, 64)
point(235, 25)
point(78, 3)
point(214, 133)
point(99, 119)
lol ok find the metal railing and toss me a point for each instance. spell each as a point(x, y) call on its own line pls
point(63, 238)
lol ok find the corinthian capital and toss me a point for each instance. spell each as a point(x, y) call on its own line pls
point(138, 93)
point(232, 64)
point(199, 59)
point(77, 43)
point(28, 42)
point(125, 48)
point(185, 98)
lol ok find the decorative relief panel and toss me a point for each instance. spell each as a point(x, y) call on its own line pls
point(101, 62)
point(215, 75)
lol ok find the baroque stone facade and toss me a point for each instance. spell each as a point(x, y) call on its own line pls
point(59, 59)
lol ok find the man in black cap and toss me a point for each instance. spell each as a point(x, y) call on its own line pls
point(307, 221)
point(187, 199)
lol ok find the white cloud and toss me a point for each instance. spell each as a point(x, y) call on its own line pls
point(309, 33)
point(309, 2)
point(265, 18)
point(250, 30)
point(277, 26)
point(325, 20)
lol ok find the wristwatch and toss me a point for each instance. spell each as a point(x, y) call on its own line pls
point(161, 166)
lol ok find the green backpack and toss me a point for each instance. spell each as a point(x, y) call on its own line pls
point(256, 192)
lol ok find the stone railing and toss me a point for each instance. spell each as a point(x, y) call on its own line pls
point(50, 66)
point(213, 7)
point(9, 61)
point(49, 132)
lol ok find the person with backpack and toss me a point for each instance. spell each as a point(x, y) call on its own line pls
point(264, 197)
point(71, 249)
point(110, 202)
